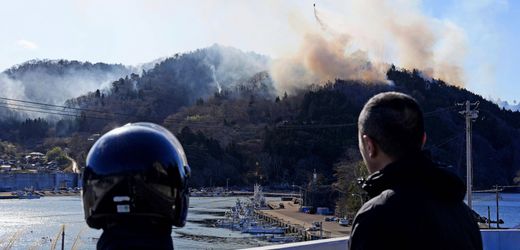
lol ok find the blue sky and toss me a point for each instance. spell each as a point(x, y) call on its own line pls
point(133, 32)
point(493, 34)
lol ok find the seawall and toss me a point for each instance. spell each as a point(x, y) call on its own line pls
point(37, 181)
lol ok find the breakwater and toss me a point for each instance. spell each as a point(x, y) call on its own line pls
point(37, 181)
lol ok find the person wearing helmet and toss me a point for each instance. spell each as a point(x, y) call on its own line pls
point(135, 187)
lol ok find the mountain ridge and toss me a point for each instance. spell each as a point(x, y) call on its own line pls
point(233, 123)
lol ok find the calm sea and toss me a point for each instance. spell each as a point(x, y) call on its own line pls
point(508, 207)
point(34, 224)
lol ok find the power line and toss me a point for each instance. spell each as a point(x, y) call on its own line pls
point(49, 112)
point(339, 125)
point(432, 113)
point(446, 141)
point(36, 109)
point(46, 108)
point(316, 126)
point(32, 107)
point(500, 189)
point(64, 107)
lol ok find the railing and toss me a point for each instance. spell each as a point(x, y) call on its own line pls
point(327, 244)
point(499, 239)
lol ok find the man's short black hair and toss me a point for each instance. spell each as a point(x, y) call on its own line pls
point(394, 121)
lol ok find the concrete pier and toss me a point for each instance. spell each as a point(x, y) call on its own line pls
point(296, 222)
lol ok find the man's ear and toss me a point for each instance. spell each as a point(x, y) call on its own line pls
point(424, 137)
point(370, 146)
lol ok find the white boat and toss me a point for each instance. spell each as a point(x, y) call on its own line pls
point(27, 195)
point(258, 198)
point(282, 239)
point(263, 230)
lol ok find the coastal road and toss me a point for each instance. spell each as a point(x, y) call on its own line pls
point(290, 214)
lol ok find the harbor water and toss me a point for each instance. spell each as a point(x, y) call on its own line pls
point(36, 223)
point(508, 207)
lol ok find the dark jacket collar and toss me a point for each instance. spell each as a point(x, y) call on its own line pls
point(418, 173)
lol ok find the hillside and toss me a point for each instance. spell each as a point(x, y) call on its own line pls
point(177, 82)
point(279, 139)
point(55, 81)
point(223, 106)
point(506, 105)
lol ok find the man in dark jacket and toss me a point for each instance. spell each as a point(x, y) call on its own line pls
point(414, 204)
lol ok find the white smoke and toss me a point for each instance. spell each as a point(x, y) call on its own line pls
point(39, 84)
point(514, 106)
point(232, 64)
point(11, 88)
point(219, 88)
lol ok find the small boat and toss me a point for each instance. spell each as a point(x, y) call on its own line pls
point(28, 195)
point(264, 230)
point(233, 225)
point(282, 239)
point(254, 228)
point(258, 199)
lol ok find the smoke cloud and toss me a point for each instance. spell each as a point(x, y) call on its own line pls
point(14, 89)
point(361, 38)
point(231, 65)
point(53, 82)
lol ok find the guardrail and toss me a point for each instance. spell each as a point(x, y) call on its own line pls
point(326, 244)
point(492, 239)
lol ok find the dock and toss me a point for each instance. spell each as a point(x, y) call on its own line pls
point(296, 222)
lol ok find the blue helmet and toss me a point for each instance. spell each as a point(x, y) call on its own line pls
point(136, 173)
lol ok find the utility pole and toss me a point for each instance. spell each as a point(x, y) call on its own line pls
point(63, 237)
point(470, 115)
point(227, 185)
point(321, 229)
point(498, 215)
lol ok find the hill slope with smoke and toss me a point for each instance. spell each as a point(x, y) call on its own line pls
point(222, 103)
point(181, 81)
point(55, 81)
point(360, 39)
point(506, 105)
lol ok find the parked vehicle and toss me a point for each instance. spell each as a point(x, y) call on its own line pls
point(330, 218)
point(343, 222)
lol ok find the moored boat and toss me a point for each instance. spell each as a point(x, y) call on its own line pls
point(28, 195)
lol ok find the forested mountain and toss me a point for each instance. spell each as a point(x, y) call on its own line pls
point(177, 82)
point(223, 106)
